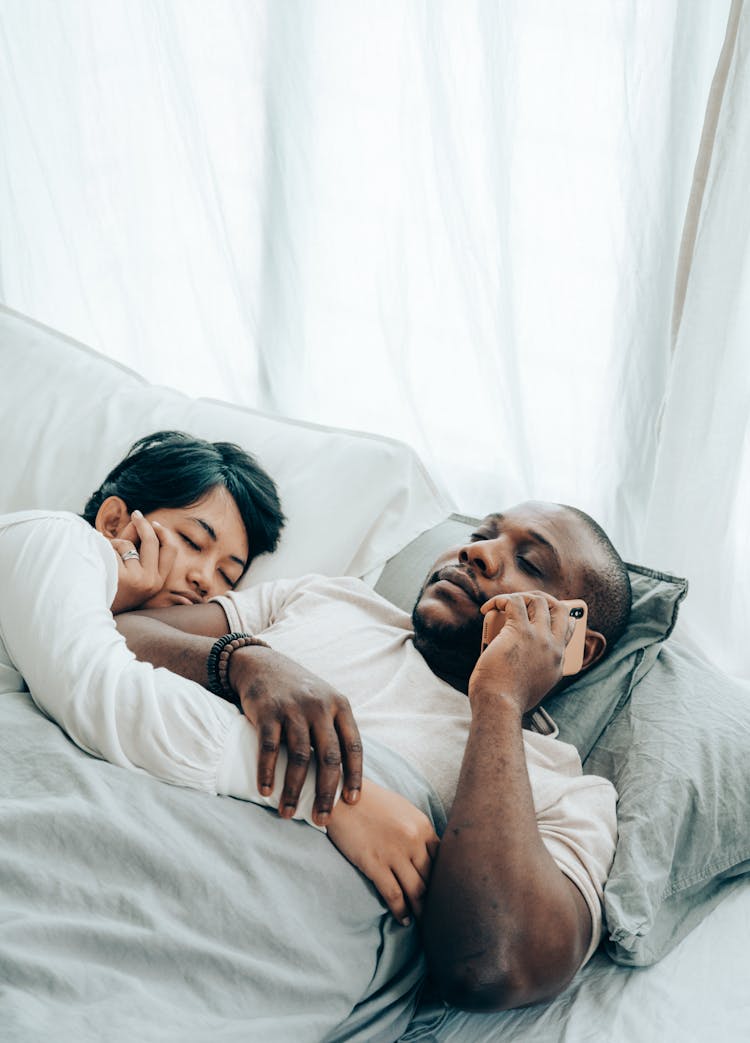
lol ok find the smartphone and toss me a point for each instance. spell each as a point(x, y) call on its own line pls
point(573, 657)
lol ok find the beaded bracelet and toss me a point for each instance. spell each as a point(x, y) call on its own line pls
point(217, 664)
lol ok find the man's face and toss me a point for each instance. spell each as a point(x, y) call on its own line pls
point(534, 546)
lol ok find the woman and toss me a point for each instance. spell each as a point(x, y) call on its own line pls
point(176, 522)
point(193, 558)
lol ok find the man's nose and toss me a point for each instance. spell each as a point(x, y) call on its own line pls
point(484, 555)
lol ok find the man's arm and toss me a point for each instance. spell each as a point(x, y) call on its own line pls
point(504, 926)
point(281, 699)
point(383, 835)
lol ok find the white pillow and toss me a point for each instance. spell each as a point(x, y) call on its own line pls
point(68, 414)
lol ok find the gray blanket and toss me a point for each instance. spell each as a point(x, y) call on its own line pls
point(133, 910)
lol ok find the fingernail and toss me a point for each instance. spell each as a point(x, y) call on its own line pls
point(137, 514)
point(156, 524)
point(265, 790)
point(406, 922)
point(323, 816)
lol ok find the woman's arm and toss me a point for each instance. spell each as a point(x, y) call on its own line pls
point(56, 583)
point(57, 579)
point(391, 842)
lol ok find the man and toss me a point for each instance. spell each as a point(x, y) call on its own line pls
point(513, 907)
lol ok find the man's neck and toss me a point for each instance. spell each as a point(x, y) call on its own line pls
point(459, 681)
point(454, 669)
point(451, 657)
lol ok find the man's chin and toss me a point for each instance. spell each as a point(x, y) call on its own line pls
point(450, 647)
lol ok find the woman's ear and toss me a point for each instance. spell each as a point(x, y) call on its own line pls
point(112, 517)
point(594, 647)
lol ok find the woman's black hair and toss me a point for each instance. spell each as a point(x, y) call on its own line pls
point(174, 469)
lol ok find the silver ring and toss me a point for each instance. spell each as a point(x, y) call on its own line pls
point(130, 554)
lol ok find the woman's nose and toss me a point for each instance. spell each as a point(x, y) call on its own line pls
point(484, 555)
point(198, 577)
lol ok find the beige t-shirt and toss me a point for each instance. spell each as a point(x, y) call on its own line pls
point(361, 644)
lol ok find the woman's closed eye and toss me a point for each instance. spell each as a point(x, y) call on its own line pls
point(231, 583)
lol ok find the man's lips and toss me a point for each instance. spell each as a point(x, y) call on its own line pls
point(460, 578)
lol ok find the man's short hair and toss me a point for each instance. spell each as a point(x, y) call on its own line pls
point(607, 586)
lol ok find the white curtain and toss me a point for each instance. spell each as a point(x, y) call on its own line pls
point(456, 224)
point(699, 509)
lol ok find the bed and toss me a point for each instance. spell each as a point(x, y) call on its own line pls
point(135, 910)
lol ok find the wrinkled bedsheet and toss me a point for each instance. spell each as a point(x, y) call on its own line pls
point(133, 910)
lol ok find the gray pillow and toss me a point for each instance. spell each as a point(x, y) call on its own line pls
point(671, 731)
point(678, 754)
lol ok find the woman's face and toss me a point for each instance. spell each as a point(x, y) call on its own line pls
point(211, 549)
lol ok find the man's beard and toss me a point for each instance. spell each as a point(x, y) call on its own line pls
point(450, 651)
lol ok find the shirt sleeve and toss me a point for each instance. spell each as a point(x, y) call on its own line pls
point(58, 577)
point(579, 831)
point(255, 609)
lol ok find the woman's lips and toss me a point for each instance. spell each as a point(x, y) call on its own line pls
point(183, 599)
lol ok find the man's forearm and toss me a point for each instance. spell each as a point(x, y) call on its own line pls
point(285, 702)
point(503, 925)
point(185, 653)
point(160, 644)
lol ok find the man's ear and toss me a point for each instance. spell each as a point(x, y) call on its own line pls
point(594, 647)
point(112, 517)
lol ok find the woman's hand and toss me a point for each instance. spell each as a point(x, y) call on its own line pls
point(391, 842)
point(139, 578)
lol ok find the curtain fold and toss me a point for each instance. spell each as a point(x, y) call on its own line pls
point(699, 507)
point(703, 161)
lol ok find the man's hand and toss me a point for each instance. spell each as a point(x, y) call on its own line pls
point(391, 842)
point(286, 703)
point(524, 662)
point(140, 578)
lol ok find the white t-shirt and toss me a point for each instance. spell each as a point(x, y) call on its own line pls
point(58, 578)
point(343, 631)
